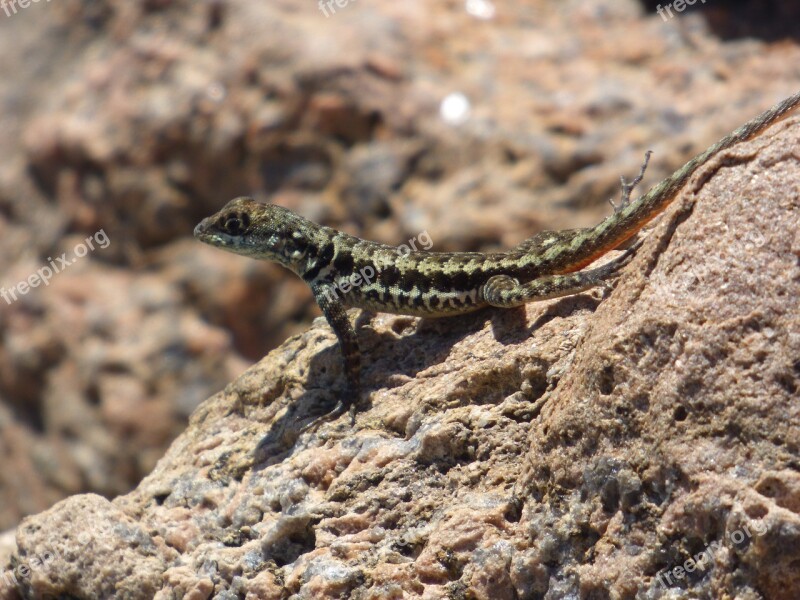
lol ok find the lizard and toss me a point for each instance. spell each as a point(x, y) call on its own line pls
point(345, 271)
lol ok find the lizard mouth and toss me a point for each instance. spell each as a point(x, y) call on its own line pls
point(199, 231)
point(206, 234)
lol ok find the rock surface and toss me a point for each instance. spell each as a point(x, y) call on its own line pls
point(645, 446)
point(139, 117)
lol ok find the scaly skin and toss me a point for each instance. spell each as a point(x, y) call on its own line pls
point(345, 271)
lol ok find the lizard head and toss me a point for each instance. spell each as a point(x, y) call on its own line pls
point(264, 231)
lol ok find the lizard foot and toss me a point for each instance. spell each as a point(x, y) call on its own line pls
point(629, 186)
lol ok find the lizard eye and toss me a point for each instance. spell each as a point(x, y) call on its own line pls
point(236, 224)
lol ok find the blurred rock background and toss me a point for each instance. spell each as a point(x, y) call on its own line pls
point(479, 122)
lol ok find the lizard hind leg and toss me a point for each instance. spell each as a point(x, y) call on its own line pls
point(504, 291)
point(629, 186)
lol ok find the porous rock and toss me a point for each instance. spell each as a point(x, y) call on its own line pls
point(573, 448)
point(142, 117)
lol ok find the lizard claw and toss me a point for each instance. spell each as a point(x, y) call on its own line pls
point(333, 414)
point(629, 186)
point(348, 404)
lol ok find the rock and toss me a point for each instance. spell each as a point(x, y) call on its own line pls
point(140, 118)
point(102, 364)
point(151, 115)
point(92, 530)
point(573, 448)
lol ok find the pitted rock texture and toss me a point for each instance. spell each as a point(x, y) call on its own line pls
point(140, 117)
point(573, 448)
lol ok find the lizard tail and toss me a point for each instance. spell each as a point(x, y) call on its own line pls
point(622, 225)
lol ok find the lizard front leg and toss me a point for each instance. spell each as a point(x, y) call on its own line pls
point(504, 291)
point(332, 307)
